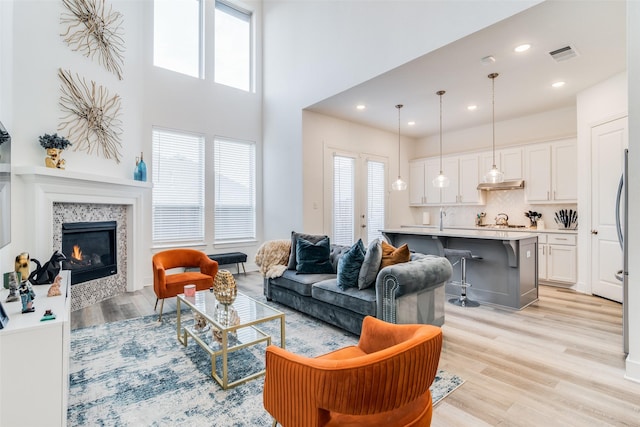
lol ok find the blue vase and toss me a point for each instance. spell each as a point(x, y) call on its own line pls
point(136, 170)
point(142, 170)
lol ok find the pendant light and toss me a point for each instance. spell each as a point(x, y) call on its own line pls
point(399, 184)
point(441, 181)
point(494, 175)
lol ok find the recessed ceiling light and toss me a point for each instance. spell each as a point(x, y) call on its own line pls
point(522, 48)
point(557, 84)
point(411, 123)
point(361, 106)
point(472, 107)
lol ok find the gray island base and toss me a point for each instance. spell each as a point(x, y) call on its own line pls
point(507, 274)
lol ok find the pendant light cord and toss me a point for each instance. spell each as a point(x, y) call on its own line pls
point(493, 76)
point(399, 106)
point(440, 93)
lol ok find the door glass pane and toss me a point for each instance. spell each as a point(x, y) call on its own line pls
point(343, 200)
point(375, 199)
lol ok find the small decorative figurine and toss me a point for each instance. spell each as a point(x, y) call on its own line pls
point(13, 292)
point(54, 290)
point(54, 145)
point(22, 265)
point(45, 274)
point(27, 295)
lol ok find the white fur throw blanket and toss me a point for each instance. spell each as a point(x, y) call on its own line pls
point(273, 257)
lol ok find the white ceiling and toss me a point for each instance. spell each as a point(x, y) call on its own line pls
point(595, 29)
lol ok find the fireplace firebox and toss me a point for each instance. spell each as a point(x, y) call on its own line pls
point(90, 248)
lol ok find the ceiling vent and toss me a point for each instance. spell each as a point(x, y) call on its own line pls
point(563, 54)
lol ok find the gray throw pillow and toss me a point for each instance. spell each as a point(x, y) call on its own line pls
point(349, 266)
point(371, 265)
point(313, 238)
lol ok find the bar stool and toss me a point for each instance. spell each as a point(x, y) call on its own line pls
point(461, 256)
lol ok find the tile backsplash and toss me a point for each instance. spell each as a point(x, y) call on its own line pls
point(510, 202)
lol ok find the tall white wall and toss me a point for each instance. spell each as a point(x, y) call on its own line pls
point(323, 134)
point(548, 125)
point(31, 55)
point(315, 49)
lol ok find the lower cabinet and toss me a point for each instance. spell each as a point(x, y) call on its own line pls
point(34, 360)
point(557, 258)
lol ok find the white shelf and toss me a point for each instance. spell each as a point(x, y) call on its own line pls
point(33, 172)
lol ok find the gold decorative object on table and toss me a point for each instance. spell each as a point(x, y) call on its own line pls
point(224, 287)
point(54, 145)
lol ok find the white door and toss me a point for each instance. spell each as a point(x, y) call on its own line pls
point(450, 169)
point(358, 197)
point(537, 172)
point(416, 183)
point(469, 177)
point(431, 171)
point(608, 142)
point(565, 171)
point(561, 263)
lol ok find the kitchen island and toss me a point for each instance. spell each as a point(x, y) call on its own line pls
point(507, 274)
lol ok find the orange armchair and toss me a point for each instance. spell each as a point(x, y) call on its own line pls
point(383, 381)
point(169, 285)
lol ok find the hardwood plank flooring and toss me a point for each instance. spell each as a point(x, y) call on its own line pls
point(559, 362)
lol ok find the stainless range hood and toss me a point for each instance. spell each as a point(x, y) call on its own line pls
point(516, 184)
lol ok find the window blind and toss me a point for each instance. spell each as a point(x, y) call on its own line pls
point(375, 199)
point(178, 186)
point(343, 199)
point(235, 190)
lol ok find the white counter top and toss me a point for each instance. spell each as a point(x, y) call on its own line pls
point(492, 228)
point(485, 234)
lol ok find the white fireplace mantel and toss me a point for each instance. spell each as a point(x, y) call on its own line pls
point(46, 186)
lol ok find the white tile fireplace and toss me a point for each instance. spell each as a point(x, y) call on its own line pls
point(54, 196)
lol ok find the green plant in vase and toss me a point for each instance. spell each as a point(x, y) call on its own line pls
point(54, 145)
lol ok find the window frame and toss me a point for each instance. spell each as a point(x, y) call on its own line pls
point(216, 241)
point(235, 9)
point(154, 176)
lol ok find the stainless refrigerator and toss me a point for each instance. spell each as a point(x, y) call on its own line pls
point(622, 216)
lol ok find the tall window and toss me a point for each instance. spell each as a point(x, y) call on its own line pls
point(343, 200)
point(235, 191)
point(233, 50)
point(177, 33)
point(178, 186)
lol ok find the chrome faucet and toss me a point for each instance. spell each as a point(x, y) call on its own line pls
point(442, 215)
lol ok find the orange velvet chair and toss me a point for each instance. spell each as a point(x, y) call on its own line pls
point(383, 381)
point(169, 285)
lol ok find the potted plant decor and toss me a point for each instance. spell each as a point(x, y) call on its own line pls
point(54, 145)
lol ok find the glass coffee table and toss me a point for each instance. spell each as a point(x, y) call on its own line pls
point(221, 329)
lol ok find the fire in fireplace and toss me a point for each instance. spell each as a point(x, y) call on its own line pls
point(90, 248)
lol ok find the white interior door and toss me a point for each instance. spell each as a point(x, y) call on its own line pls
point(608, 142)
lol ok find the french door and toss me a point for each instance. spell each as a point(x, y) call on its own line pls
point(357, 199)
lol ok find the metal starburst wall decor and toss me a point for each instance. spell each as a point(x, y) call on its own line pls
point(92, 120)
point(93, 31)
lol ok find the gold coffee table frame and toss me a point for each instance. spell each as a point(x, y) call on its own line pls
point(247, 313)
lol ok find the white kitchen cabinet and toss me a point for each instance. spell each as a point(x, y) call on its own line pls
point(551, 172)
point(34, 360)
point(508, 160)
point(557, 258)
point(421, 190)
point(463, 174)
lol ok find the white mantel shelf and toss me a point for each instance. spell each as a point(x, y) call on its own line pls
point(44, 172)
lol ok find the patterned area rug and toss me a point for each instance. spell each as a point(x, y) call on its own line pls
point(135, 372)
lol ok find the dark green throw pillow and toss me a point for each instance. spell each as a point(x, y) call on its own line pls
point(349, 266)
point(313, 258)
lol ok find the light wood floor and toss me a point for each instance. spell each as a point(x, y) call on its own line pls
point(559, 362)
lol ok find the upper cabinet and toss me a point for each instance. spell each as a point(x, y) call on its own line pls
point(421, 173)
point(462, 172)
point(508, 160)
point(551, 172)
